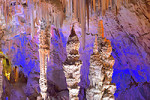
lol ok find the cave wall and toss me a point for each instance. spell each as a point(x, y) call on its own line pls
point(129, 33)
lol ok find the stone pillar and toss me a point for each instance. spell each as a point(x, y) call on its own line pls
point(95, 75)
point(72, 66)
point(100, 70)
point(43, 78)
point(44, 49)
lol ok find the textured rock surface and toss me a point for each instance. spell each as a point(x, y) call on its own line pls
point(100, 71)
point(128, 32)
point(72, 65)
point(44, 50)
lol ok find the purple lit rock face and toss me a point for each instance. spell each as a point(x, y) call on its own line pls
point(126, 25)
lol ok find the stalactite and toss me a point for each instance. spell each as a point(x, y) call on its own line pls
point(16, 4)
point(71, 9)
point(94, 5)
point(83, 22)
point(99, 4)
point(110, 2)
point(91, 6)
point(103, 7)
point(87, 7)
point(67, 9)
point(5, 13)
point(127, 1)
point(75, 8)
point(32, 20)
point(79, 11)
point(107, 4)
point(118, 5)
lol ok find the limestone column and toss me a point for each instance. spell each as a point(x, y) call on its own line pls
point(101, 69)
point(72, 66)
point(95, 75)
point(44, 49)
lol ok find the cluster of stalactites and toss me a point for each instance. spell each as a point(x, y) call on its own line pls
point(50, 10)
point(83, 8)
point(95, 5)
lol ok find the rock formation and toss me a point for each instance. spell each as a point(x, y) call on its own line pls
point(127, 26)
point(44, 48)
point(72, 65)
point(100, 71)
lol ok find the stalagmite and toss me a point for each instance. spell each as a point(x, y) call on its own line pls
point(100, 71)
point(72, 66)
point(95, 75)
point(95, 49)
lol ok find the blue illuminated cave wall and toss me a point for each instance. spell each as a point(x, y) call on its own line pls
point(23, 53)
point(131, 71)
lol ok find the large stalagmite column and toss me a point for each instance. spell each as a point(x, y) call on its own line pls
point(72, 66)
point(100, 70)
point(44, 48)
point(95, 75)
